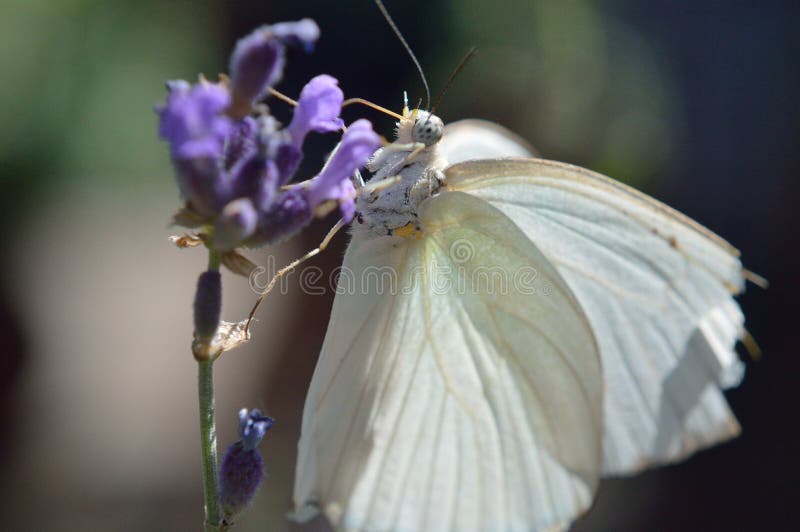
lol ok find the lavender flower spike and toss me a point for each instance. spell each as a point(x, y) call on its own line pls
point(242, 467)
point(358, 143)
point(258, 60)
point(233, 161)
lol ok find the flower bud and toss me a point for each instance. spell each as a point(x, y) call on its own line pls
point(242, 467)
point(207, 304)
point(236, 222)
point(258, 60)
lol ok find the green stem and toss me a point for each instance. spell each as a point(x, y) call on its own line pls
point(208, 443)
point(214, 260)
point(208, 431)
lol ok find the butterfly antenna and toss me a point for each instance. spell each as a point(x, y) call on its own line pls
point(452, 77)
point(388, 18)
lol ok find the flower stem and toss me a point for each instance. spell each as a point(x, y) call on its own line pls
point(208, 442)
point(214, 260)
point(208, 431)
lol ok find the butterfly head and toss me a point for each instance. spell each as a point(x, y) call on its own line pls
point(428, 128)
point(418, 126)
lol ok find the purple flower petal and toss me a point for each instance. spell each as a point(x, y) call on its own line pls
point(191, 121)
point(242, 142)
point(317, 109)
point(258, 60)
point(253, 426)
point(235, 224)
point(303, 33)
point(255, 178)
point(277, 146)
point(198, 181)
point(287, 216)
point(333, 183)
point(287, 159)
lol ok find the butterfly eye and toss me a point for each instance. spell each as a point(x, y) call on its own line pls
point(428, 130)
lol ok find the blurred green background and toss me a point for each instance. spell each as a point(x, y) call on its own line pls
point(694, 102)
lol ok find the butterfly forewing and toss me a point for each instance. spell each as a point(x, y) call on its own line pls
point(657, 289)
point(457, 402)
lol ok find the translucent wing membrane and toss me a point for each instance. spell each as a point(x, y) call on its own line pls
point(480, 139)
point(657, 289)
point(461, 392)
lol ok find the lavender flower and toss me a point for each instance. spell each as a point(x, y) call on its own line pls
point(242, 467)
point(233, 162)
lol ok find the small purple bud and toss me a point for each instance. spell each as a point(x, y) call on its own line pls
point(317, 109)
point(358, 143)
point(236, 223)
point(207, 304)
point(240, 473)
point(258, 60)
point(242, 467)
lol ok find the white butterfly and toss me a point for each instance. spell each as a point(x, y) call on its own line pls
point(441, 401)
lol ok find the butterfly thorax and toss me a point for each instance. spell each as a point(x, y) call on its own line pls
point(404, 174)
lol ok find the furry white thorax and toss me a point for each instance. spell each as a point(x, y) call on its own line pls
point(383, 211)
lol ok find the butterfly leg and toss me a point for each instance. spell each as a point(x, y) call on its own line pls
point(374, 188)
point(292, 265)
point(428, 185)
point(358, 181)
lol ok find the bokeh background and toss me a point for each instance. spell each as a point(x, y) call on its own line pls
point(694, 102)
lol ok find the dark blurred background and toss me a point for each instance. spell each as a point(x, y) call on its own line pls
point(694, 102)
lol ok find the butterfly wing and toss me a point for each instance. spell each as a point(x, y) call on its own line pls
point(657, 288)
point(480, 139)
point(443, 402)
